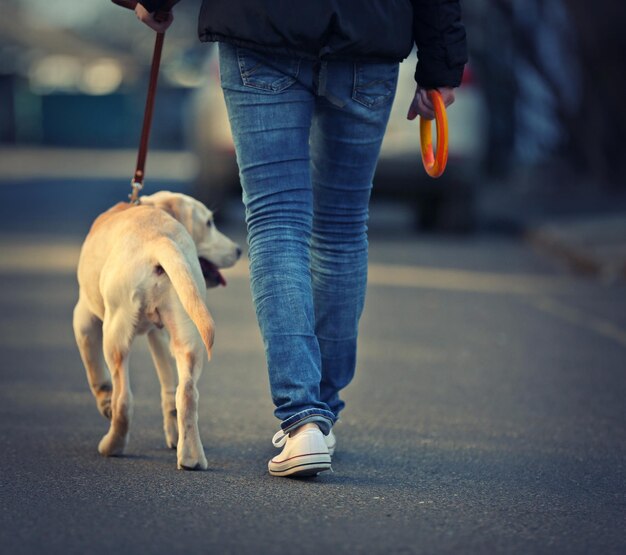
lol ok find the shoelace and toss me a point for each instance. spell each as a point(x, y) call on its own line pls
point(279, 439)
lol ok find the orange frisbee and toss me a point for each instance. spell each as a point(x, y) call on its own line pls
point(435, 162)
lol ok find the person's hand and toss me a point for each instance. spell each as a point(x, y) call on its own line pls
point(423, 106)
point(146, 17)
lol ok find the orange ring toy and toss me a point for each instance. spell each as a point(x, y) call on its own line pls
point(435, 163)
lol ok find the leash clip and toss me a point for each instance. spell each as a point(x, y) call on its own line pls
point(134, 197)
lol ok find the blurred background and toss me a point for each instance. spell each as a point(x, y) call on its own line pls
point(537, 136)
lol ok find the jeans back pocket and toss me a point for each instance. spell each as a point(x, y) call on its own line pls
point(265, 71)
point(375, 83)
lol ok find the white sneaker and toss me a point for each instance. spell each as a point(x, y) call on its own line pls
point(331, 442)
point(304, 454)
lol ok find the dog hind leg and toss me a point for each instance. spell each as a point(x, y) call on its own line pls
point(188, 350)
point(117, 340)
point(166, 370)
point(190, 453)
point(88, 333)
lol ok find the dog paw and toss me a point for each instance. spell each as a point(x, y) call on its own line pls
point(198, 466)
point(112, 445)
point(193, 463)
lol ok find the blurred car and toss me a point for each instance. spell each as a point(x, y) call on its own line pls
point(445, 203)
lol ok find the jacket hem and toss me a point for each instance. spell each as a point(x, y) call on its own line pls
point(206, 36)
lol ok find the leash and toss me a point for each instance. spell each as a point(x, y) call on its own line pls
point(137, 181)
point(435, 164)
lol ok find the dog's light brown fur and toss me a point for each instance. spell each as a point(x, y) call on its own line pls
point(139, 273)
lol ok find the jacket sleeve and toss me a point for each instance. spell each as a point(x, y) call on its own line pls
point(151, 5)
point(441, 43)
point(155, 5)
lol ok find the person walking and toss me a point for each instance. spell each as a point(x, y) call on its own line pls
point(308, 88)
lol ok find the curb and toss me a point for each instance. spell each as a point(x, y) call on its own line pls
point(594, 247)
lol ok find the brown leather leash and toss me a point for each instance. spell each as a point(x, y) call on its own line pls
point(137, 180)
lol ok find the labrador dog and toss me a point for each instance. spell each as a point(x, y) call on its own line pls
point(144, 269)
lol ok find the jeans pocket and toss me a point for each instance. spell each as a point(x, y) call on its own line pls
point(374, 83)
point(265, 71)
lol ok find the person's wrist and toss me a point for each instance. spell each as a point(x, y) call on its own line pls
point(148, 5)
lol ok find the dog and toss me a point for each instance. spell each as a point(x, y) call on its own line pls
point(145, 269)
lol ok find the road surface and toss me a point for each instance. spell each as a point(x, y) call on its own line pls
point(487, 415)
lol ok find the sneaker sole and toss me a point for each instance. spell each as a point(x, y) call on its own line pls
point(308, 465)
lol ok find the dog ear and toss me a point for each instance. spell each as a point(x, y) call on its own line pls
point(169, 204)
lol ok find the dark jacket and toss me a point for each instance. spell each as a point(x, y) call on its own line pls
point(366, 30)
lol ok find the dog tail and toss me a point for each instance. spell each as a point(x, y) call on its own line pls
point(181, 274)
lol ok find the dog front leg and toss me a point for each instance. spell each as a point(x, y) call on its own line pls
point(88, 333)
point(157, 339)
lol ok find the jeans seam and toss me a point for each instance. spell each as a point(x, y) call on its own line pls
point(288, 78)
point(361, 99)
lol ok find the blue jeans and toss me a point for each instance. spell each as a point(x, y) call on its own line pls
point(307, 136)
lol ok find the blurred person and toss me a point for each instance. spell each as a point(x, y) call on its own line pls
point(308, 88)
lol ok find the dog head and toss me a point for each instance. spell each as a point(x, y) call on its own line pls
point(215, 250)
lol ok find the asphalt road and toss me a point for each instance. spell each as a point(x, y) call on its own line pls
point(487, 415)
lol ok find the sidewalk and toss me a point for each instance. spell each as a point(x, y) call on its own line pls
point(76, 163)
point(593, 245)
point(581, 224)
